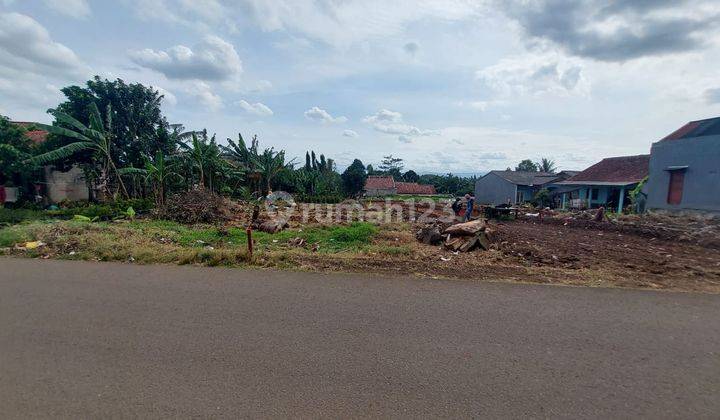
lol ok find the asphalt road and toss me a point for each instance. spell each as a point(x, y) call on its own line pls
point(104, 340)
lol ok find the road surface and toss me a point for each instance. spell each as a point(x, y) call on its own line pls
point(84, 340)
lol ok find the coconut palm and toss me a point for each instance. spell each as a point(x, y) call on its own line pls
point(546, 165)
point(96, 138)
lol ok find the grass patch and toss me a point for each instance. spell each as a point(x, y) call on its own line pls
point(147, 241)
point(12, 235)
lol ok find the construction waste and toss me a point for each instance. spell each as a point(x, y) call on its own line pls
point(460, 237)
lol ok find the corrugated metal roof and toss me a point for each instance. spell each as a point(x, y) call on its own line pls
point(700, 128)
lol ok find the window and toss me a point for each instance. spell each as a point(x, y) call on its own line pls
point(595, 193)
point(520, 197)
point(675, 189)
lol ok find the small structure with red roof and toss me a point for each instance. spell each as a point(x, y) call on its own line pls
point(382, 185)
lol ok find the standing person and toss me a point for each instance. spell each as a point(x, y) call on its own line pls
point(470, 199)
point(457, 206)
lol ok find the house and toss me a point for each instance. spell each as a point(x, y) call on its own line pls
point(380, 185)
point(606, 184)
point(58, 185)
point(514, 187)
point(685, 169)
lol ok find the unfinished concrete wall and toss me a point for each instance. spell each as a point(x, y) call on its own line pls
point(701, 187)
point(68, 185)
point(493, 190)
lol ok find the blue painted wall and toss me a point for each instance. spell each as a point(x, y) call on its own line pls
point(701, 190)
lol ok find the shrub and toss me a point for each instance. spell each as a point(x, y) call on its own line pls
point(195, 206)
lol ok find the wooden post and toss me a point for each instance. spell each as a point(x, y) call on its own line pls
point(250, 241)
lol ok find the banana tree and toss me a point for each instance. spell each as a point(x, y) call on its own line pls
point(245, 159)
point(204, 156)
point(96, 138)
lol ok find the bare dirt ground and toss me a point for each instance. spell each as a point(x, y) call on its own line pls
point(575, 253)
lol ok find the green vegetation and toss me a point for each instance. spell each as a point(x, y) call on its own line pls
point(164, 241)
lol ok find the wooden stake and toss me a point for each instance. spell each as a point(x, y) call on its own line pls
point(250, 241)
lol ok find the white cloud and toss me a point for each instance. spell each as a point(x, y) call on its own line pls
point(404, 139)
point(320, 115)
point(347, 22)
point(202, 92)
point(257, 108)
point(391, 122)
point(263, 86)
point(78, 9)
point(350, 133)
point(535, 74)
point(168, 97)
point(214, 59)
point(383, 116)
point(476, 105)
point(25, 45)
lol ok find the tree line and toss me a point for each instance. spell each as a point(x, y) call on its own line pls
point(116, 134)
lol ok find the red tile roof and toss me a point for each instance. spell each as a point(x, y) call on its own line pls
point(37, 136)
point(414, 188)
point(619, 170)
point(375, 182)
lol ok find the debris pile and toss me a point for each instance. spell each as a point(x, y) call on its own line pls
point(462, 237)
point(196, 206)
point(465, 237)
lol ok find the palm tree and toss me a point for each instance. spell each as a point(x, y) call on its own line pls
point(546, 165)
point(97, 138)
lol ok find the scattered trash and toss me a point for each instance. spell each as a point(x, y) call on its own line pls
point(32, 245)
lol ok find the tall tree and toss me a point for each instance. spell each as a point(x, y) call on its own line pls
point(15, 148)
point(411, 176)
point(390, 163)
point(546, 165)
point(139, 129)
point(354, 178)
point(527, 165)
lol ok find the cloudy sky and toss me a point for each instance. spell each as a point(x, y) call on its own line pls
point(451, 85)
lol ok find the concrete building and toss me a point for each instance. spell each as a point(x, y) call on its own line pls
point(685, 169)
point(606, 184)
point(514, 187)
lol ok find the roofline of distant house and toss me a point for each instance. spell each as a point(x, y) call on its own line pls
point(598, 183)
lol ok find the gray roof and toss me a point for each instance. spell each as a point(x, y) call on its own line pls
point(526, 178)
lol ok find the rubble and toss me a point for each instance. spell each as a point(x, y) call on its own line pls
point(460, 237)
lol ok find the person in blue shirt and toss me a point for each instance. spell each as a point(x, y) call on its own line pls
point(470, 200)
